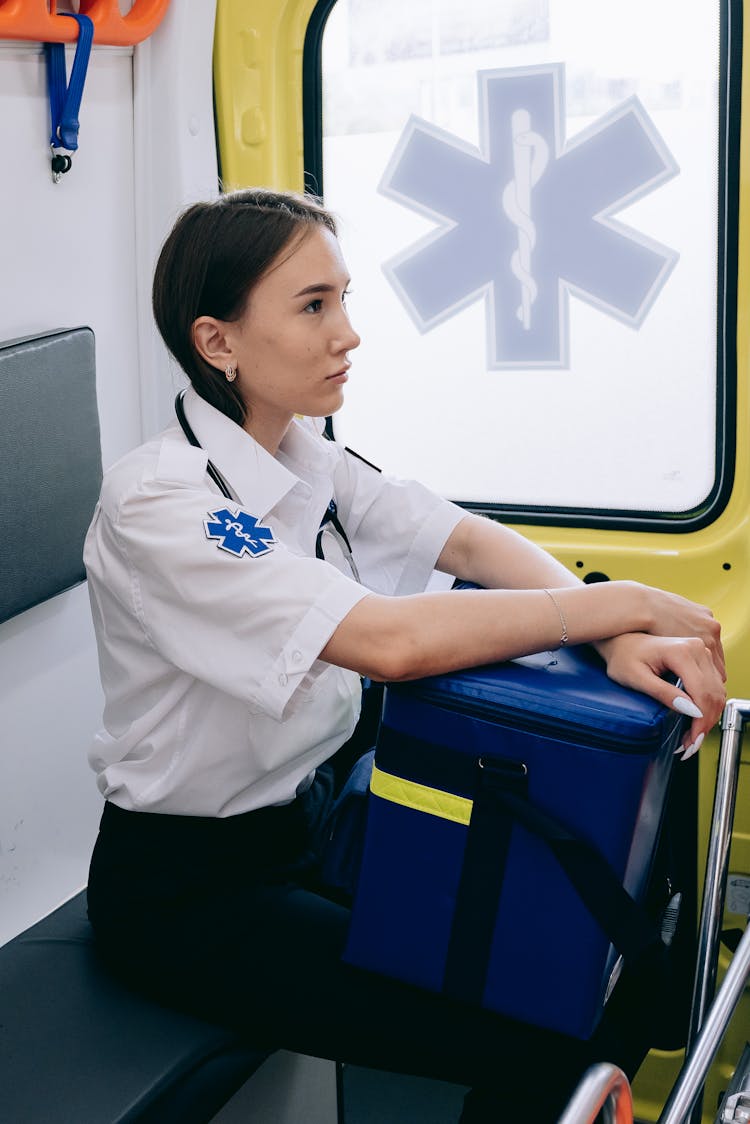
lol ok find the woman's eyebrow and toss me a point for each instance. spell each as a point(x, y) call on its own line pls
point(321, 287)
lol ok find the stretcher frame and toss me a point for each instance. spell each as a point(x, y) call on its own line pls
point(604, 1087)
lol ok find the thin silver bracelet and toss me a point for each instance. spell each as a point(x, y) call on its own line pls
point(563, 622)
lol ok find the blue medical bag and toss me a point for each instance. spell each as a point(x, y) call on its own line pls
point(514, 813)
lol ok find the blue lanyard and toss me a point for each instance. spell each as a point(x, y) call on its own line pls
point(65, 97)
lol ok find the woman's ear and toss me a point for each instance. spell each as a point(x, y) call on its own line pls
point(211, 342)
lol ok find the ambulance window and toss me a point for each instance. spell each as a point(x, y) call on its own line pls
point(537, 205)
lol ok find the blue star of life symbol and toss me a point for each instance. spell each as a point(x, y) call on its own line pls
point(238, 533)
point(527, 218)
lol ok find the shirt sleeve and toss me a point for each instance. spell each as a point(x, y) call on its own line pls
point(397, 528)
point(252, 626)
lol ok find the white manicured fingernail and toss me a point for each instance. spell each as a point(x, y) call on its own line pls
point(693, 749)
point(686, 706)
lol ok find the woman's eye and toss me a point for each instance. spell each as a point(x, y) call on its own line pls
point(314, 306)
point(346, 293)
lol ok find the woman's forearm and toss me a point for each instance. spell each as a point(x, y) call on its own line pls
point(398, 638)
point(530, 603)
point(497, 557)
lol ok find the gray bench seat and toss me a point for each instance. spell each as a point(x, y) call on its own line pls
point(78, 1048)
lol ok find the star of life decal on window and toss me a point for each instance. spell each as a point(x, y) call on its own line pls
point(528, 217)
point(238, 533)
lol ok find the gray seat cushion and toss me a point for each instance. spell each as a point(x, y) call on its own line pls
point(78, 1048)
point(50, 464)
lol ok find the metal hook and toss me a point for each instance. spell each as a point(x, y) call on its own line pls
point(61, 163)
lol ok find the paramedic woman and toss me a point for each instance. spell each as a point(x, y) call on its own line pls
point(234, 619)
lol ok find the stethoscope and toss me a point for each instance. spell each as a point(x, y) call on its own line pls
point(211, 468)
point(330, 518)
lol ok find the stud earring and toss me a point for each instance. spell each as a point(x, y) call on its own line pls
point(230, 373)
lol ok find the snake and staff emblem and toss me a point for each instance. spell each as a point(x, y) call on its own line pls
point(530, 156)
point(549, 233)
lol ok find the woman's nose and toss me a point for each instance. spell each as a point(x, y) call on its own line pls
point(346, 339)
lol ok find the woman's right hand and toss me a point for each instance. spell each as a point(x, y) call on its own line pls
point(669, 614)
point(640, 661)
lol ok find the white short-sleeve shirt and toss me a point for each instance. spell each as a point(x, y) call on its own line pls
point(210, 614)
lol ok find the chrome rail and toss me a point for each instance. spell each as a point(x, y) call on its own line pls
point(735, 714)
point(685, 1095)
point(735, 1104)
point(706, 1032)
point(603, 1088)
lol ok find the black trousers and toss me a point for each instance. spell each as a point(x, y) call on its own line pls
point(224, 918)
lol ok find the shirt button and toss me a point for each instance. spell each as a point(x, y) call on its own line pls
point(296, 657)
point(283, 679)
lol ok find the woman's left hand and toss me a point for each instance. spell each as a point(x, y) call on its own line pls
point(639, 660)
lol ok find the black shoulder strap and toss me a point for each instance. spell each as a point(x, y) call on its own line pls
point(500, 800)
point(328, 434)
point(359, 457)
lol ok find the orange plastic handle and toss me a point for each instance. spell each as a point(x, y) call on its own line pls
point(38, 20)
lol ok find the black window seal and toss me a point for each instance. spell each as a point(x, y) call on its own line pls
point(730, 89)
point(312, 96)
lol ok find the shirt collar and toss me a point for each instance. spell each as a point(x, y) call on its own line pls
point(251, 472)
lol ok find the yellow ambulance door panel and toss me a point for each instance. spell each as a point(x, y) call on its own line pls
point(542, 205)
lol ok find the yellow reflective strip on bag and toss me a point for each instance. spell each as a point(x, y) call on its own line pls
point(421, 798)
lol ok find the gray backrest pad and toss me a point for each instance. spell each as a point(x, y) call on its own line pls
point(50, 464)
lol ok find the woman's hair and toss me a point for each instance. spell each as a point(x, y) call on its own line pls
point(210, 263)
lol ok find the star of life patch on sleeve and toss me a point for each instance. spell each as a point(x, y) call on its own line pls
point(239, 533)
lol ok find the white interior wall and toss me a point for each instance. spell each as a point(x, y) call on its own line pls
point(81, 252)
point(67, 259)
